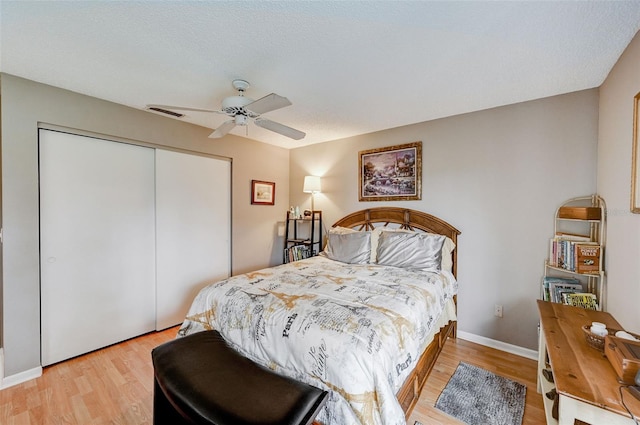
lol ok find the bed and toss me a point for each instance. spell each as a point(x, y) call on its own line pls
point(365, 320)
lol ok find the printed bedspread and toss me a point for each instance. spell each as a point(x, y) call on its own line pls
point(355, 330)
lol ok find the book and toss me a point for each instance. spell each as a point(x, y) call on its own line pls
point(587, 258)
point(561, 252)
point(559, 288)
point(573, 237)
point(573, 253)
point(297, 252)
point(553, 287)
point(584, 300)
point(565, 293)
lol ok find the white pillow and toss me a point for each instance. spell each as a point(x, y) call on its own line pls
point(342, 230)
point(447, 247)
point(351, 247)
point(410, 250)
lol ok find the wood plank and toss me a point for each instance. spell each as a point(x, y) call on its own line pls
point(510, 366)
point(99, 394)
point(109, 386)
point(581, 371)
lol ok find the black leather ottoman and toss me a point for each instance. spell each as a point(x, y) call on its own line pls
point(199, 379)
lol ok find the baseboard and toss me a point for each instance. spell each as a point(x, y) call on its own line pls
point(18, 378)
point(498, 345)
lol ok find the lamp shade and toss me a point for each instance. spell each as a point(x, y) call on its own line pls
point(311, 184)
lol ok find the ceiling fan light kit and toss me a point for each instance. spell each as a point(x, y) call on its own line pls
point(241, 108)
point(240, 119)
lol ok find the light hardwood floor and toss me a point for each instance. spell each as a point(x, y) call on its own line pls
point(510, 366)
point(115, 386)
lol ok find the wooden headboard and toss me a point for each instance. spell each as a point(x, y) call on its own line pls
point(405, 219)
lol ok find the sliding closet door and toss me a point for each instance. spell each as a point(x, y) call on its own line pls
point(97, 224)
point(193, 214)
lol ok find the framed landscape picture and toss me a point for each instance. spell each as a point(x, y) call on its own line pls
point(263, 193)
point(393, 173)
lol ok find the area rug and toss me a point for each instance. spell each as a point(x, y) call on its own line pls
point(478, 397)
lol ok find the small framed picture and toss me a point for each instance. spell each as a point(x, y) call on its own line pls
point(263, 193)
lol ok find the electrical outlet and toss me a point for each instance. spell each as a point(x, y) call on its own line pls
point(497, 310)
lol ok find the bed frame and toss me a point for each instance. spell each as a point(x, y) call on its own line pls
point(411, 219)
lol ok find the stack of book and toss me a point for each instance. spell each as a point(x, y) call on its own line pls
point(297, 252)
point(575, 253)
point(567, 291)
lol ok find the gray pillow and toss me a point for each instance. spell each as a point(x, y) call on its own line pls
point(410, 250)
point(352, 248)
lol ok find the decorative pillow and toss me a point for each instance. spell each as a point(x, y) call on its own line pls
point(447, 249)
point(410, 250)
point(352, 248)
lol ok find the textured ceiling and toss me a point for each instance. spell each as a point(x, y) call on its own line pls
point(349, 68)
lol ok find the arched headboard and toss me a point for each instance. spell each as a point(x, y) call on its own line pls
point(405, 218)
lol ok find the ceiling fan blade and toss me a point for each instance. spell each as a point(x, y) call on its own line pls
point(270, 102)
point(223, 129)
point(292, 133)
point(184, 108)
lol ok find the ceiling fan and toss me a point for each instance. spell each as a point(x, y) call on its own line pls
point(241, 109)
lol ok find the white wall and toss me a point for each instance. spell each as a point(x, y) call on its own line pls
point(614, 184)
point(498, 176)
point(25, 104)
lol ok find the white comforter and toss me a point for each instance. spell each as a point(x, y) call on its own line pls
point(355, 330)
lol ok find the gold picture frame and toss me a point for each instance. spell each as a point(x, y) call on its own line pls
point(392, 173)
point(635, 177)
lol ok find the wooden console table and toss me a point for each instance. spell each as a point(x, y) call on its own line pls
point(583, 377)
